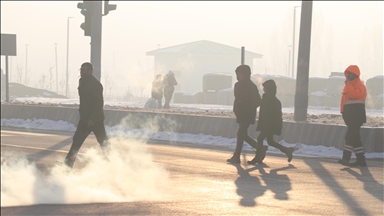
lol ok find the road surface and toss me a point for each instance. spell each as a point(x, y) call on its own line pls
point(201, 182)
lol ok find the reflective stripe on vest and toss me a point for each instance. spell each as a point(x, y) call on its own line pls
point(354, 102)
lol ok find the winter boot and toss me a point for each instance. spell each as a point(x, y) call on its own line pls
point(360, 161)
point(346, 157)
point(289, 152)
point(234, 159)
point(260, 155)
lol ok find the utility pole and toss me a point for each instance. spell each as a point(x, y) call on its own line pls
point(302, 77)
point(289, 59)
point(293, 40)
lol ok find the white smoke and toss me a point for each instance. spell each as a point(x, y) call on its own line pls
point(129, 174)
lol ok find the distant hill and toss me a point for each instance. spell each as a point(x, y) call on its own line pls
point(20, 90)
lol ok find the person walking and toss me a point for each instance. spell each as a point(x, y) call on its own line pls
point(157, 90)
point(169, 87)
point(247, 99)
point(270, 123)
point(352, 108)
point(91, 114)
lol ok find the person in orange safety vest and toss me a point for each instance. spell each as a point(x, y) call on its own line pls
point(352, 108)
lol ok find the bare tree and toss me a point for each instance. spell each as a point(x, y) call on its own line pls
point(42, 81)
point(128, 93)
point(28, 78)
point(19, 74)
point(50, 78)
point(140, 79)
point(62, 85)
point(108, 84)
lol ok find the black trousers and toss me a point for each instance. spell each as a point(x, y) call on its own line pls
point(82, 132)
point(353, 140)
point(168, 98)
point(159, 103)
point(242, 135)
point(271, 142)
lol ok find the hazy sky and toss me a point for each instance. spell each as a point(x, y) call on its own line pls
point(344, 33)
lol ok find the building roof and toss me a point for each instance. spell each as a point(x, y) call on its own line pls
point(203, 47)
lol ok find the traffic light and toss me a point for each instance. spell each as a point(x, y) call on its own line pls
point(87, 10)
point(108, 7)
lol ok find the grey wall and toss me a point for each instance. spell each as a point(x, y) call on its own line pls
point(310, 134)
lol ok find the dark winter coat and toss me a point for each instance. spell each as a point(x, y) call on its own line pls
point(157, 89)
point(270, 115)
point(169, 84)
point(247, 99)
point(91, 99)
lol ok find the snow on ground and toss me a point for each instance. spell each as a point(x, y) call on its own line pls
point(301, 149)
point(191, 107)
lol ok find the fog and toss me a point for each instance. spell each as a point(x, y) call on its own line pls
point(343, 33)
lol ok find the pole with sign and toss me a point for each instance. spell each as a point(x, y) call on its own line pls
point(8, 48)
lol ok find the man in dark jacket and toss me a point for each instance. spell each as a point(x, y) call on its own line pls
point(91, 113)
point(270, 122)
point(247, 99)
point(169, 87)
point(157, 89)
point(352, 108)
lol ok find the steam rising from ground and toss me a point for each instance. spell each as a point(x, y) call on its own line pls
point(129, 174)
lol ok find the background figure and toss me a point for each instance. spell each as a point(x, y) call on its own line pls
point(247, 99)
point(157, 89)
point(352, 108)
point(169, 87)
point(91, 114)
point(270, 123)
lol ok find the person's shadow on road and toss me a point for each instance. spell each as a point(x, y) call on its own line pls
point(370, 183)
point(283, 184)
point(248, 187)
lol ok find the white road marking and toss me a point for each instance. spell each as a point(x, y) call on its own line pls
point(4, 133)
point(35, 148)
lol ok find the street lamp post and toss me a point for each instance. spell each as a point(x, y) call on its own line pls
point(66, 74)
point(289, 59)
point(293, 40)
point(26, 62)
point(57, 74)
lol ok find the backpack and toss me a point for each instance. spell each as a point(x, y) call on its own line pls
point(151, 103)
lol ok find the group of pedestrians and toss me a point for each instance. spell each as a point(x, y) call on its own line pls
point(247, 100)
point(163, 86)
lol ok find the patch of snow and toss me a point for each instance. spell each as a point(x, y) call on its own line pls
point(300, 148)
point(318, 93)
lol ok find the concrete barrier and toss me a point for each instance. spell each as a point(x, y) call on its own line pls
point(306, 133)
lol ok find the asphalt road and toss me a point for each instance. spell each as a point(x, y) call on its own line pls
point(202, 183)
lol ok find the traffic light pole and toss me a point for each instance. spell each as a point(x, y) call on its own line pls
point(92, 26)
point(96, 32)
